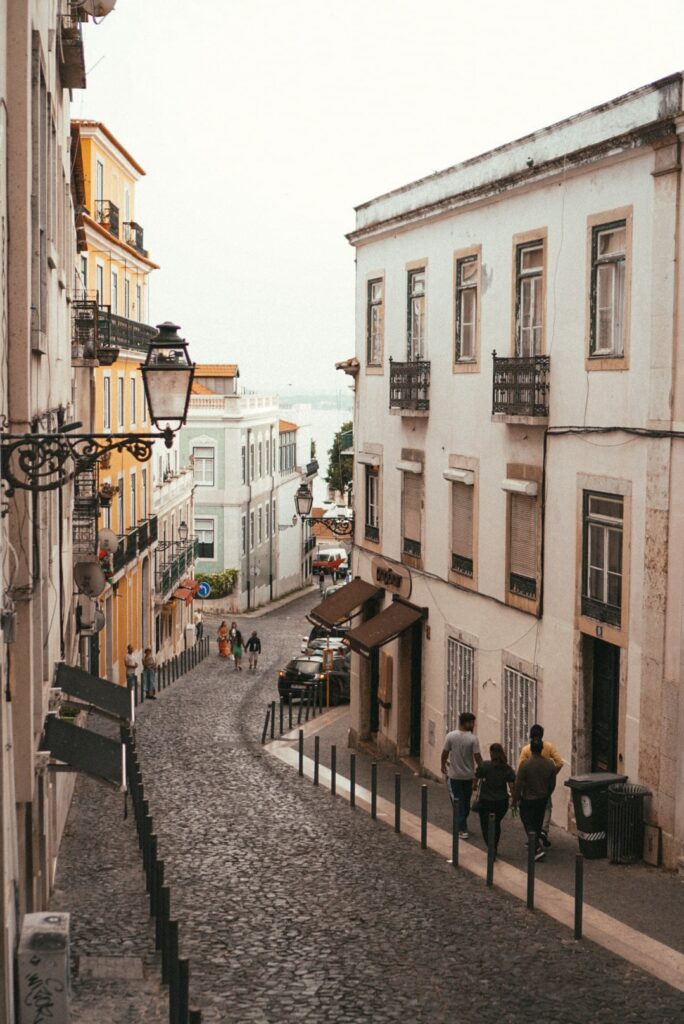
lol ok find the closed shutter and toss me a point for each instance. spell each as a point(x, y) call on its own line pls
point(413, 500)
point(523, 547)
point(462, 520)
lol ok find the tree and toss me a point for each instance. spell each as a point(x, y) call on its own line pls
point(340, 467)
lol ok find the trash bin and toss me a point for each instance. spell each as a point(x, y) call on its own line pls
point(626, 822)
point(590, 800)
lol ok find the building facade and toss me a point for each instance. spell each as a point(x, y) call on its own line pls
point(519, 452)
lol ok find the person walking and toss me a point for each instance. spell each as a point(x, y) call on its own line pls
point(548, 750)
point(149, 674)
point(238, 649)
point(462, 754)
point(253, 648)
point(496, 782)
point(534, 784)
point(223, 637)
point(199, 626)
point(131, 663)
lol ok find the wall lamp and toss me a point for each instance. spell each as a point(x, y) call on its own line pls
point(46, 462)
point(339, 525)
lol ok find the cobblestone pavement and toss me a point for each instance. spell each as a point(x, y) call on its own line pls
point(293, 907)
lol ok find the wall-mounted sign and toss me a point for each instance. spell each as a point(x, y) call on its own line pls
point(395, 578)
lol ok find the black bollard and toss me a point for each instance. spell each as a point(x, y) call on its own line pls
point(273, 720)
point(166, 914)
point(423, 816)
point(397, 801)
point(454, 832)
point(299, 713)
point(352, 780)
point(159, 918)
point(265, 731)
point(333, 769)
point(195, 1017)
point(374, 789)
point(183, 989)
point(531, 850)
point(172, 941)
point(579, 894)
point(317, 754)
point(491, 848)
point(301, 751)
point(289, 714)
point(282, 711)
point(308, 704)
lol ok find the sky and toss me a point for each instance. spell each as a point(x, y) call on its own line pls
point(262, 124)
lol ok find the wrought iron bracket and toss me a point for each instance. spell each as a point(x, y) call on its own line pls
point(340, 526)
point(46, 462)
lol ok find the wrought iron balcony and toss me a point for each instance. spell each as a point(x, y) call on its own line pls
point(84, 317)
point(117, 332)
point(143, 535)
point(523, 586)
point(119, 556)
point(521, 386)
point(412, 547)
point(176, 565)
point(153, 521)
point(132, 544)
point(462, 565)
point(71, 57)
point(600, 611)
point(372, 533)
point(107, 214)
point(410, 386)
point(133, 236)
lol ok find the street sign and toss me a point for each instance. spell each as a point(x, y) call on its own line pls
point(204, 590)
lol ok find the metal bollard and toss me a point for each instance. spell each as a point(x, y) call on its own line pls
point(166, 915)
point(374, 789)
point(491, 848)
point(397, 801)
point(454, 831)
point(320, 698)
point(308, 704)
point(423, 816)
point(317, 754)
point(263, 735)
point(531, 850)
point(352, 780)
point(299, 713)
point(579, 894)
point(289, 715)
point(159, 900)
point(195, 1017)
point(152, 876)
point(301, 751)
point(281, 717)
point(183, 989)
point(272, 719)
point(333, 769)
point(172, 937)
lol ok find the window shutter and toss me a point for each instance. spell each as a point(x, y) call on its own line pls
point(462, 520)
point(413, 499)
point(523, 546)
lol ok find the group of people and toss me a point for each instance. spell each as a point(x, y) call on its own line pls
point(230, 644)
point(149, 672)
point(528, 789)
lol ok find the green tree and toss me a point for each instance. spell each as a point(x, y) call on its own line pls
point(340, 467)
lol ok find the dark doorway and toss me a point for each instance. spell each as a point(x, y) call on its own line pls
point(416, 688)
point(94, 654)
point(604, 707)
point(374, 668)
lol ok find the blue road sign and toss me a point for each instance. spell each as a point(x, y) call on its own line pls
point(204, 590)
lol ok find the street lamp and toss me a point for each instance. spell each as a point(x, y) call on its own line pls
point(167, 375)
point(183, 532)
point(339, 525)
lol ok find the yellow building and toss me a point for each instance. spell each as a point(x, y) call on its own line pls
point(111, 288)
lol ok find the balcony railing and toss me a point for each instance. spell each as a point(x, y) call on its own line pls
point(412, 547)
point(119, 332)
point(180, 558)
point(143, 535)
point(132, 544)
point(410, 386)
point(71, 57)
point(372, 533)
point(153, 528)
point(600, 611)
point(523, 586)
point(119, 556)
point(309, 544)
point(107, 214)
point(521, 386)
point(461, 564)
point(133, 236)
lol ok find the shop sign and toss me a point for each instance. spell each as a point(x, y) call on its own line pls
point(393, 577)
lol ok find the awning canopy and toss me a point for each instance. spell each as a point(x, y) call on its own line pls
point(183, 594)
point(343, 602)
point(388, 625)
point(114, 700)
point(85, 751)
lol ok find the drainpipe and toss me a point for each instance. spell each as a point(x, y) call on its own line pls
point(248, 530)
point(270, 516)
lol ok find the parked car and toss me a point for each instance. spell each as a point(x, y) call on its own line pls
point(338, 680)
point(299, 675)
point(328, 560)
point(319, 644)
point(320, 632)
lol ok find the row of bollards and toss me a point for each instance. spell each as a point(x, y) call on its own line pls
point(310, 705)
point(169, 671)
point(175, 969)
point(491, 824)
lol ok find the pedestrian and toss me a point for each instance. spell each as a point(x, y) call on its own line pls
point(199, 626)
point(534, 784)
point(496, 782)
point(223, 640)
point(238, 649)
point(548, 750)
point(131, 663)
point(462, 753)
point(149, 674)
point(253, 648)
point(321, 583)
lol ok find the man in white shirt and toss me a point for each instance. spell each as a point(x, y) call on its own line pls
point(460, 757)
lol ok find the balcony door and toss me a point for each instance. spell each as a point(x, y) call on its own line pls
point(529, 299)
point(604, 712)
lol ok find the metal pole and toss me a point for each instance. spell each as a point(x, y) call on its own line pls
point(299, 713)
point(289, 715)
point(159, 919)
point(263, 735)
point(579, 894)
point(423, 816)
point(183, 989)
point(531, 850)
point(454, 832)
point(491, 848)
point(273, 720)
point(282, 712)
point(333, 769)
point(374, 789)
point(301, 751)
point(397, 801)
point(308, 704)
point(173, 972)
point(317, 754)
point(166, 914)
point(352, 780)
point(195, 1017)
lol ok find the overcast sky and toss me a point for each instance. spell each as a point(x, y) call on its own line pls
point(261, 124)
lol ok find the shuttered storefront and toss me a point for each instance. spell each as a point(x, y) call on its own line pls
point(523, 545)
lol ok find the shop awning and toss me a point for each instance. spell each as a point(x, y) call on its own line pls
point(189, 584)
point(343, 602)
point(114, 700)
point(388, 625)
point(85, 751)
point(183, 594)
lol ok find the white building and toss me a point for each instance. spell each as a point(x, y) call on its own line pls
point(528, 507)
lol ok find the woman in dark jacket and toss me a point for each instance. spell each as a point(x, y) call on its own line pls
point(496, 782)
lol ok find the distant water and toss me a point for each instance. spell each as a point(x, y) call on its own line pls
point(324, 425)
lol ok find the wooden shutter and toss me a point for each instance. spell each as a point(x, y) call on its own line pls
point(462, 520)
point(523, 546)
point(413, 500)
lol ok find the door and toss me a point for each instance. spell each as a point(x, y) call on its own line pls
point(374, 687)
point(416, 689)
point(604, 716)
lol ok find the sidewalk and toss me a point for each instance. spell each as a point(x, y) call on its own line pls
point(647, 902)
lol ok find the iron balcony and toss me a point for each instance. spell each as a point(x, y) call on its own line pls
point(410, 386)
point(521, 386)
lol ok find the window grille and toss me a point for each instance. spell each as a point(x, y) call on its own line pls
point(460, 675)
point(519, 711)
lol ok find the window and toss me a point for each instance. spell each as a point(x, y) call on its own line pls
point(107, 404)
point(99, 283)
point(133, 386)
point(107, 518)
point(204, 531)
point(260, 526)
point(523, 545)
point(412, 510)
point(462, 528)
point(261, 459)
point(372, 522)
point(144, 405)
point(602, 557)
point(243, 456)
point(115, 292)
point(273, 517)
point(121, 506)
point(375, 320)
point(120, 401)
point(244, 535)
point(608, 252)
point(288, 451)
point(144, 492)
point(84, 275)
point(519, 711)
point(267, 517)
point(127, 299)
point(273, 455)
point(99, 180)
point(467, 271)
point(251, 461)
point(415, 338)
point(251, 530)
point(134, 499)
point(529, 299)
point(203, 466)
point(460, 672)
point(138, 302)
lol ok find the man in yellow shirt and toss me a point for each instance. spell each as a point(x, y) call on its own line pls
point(550, 751)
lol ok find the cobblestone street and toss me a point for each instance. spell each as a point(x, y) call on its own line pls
point(294, 907)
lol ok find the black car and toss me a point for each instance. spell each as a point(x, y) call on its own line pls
point(296, 680)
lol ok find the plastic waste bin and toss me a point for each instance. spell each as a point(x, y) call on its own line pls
point(626, 822)
point(590, 800)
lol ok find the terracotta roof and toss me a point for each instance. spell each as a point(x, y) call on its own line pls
point(284, 426)
point(200, 389)
point(98, 125)
point(217, 370)
point(350, 366)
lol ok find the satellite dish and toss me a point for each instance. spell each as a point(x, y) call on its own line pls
point(107, 541)
point(98, 621)
point(89, 578)
point(99, 8)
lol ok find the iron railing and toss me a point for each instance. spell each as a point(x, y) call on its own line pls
point(107, 214)
point(153, 528)
point(522, 585)
point(171, 571)
point(120, 332)
point(143, 535)
point(119, 556)
point(412, 547)
point(71, 56)
point(461, 564)
point(132, 544)
point(372, 533)
point(133, 236)
point(609, 613)
point(410, 385)
point(521, 385)
point(309, 544)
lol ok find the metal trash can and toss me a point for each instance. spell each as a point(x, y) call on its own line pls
point(590, 801)
point(626, 822)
